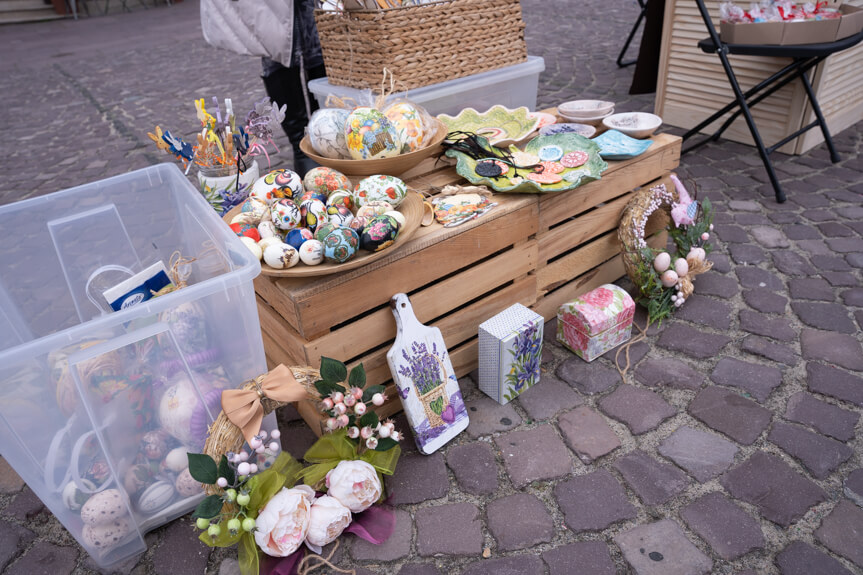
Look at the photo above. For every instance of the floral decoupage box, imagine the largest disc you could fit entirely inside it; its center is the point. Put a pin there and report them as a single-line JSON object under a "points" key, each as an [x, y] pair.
{"points": [[510, 350], [596, 322]]}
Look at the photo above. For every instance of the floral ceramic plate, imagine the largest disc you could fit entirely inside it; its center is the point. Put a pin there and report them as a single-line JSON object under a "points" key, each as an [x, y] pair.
{"points": [[580, 129], [614, 145], [569, 161], [500, 126]]}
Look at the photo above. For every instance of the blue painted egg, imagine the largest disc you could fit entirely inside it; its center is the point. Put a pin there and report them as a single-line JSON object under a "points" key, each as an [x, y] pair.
{"points": [[340, 245], [297, 236], [324, 230]]}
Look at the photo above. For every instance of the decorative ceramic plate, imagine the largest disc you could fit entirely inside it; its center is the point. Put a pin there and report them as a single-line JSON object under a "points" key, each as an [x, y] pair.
{"points": [[500, 126], [614, 145], [557, 152], [544, 119], [580, 129], [411, 207]]}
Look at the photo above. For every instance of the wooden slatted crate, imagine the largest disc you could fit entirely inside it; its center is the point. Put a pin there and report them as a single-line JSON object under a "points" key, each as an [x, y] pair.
{"points": [[540, 251]]}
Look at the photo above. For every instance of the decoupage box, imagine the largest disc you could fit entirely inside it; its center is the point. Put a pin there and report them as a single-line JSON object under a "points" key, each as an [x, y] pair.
{"points": [[596, 322], [510, 347]]}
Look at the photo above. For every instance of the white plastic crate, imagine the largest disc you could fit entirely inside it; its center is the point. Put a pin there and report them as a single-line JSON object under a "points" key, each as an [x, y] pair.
{"points": [[511, 86], [86, 396]]}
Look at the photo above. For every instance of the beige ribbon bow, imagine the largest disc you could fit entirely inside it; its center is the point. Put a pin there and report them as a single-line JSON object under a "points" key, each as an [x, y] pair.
{"points": [[243, 406]]}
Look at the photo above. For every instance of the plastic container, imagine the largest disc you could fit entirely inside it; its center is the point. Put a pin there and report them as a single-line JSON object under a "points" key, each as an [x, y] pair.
{"points": [[511, 86], [92, 401]]}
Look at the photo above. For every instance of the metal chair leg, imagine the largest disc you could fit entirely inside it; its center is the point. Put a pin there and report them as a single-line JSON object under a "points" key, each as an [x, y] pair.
{"points": [[834, 155], [641, 16]]}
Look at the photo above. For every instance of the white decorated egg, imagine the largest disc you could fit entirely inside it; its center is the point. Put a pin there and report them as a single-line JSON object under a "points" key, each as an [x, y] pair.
{"points": [[341, 198], [669, 278], [409, 125], [74, 498], [267, 242], [286, 215], [181, 411], [253, 247], [177, 459], [156, 497], [372, 209], [312, 252], [186, 485], [399, 217], [276, 185], [327, 132], [247, 218], [281, 256], [255, 207], [313, 213], [681, 267], [106, 535], [380, 188], [325, 180], [104, 507], [661, 262], [267, 229], [370, 135], [340, 216]]}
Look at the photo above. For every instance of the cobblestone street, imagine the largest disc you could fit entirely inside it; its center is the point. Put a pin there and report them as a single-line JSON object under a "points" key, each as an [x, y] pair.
{"points": [[734, 445]]}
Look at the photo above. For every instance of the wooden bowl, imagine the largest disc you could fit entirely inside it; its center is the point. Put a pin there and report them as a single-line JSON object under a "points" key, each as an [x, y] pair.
{"points": [[411, 207], [387, 166]]}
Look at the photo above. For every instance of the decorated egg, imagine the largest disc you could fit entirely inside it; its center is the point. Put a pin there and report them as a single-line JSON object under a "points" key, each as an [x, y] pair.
{"points": [[186, 485], [314, 213], [358, 224], [255, 207], [188, 324], [265, 460], [137, 477], [309, 195], [661, 262], [406, 118], [369, 135], [681, 267], [281, 256], [253, 247], [246, 230], [74, 498], [325, 180], [295, 238], [312, 252], [380, 188], [327, 132], [276, 185], [380, 233], [248, 218], [154, 444], [376, 208], [267, 229], [669, 278], [103, 507], [156, 497], [181, 412], [400, 217], [267, 242], [341, 198], [177, 460], [324, 230], [341, 244], [106, 535], [340, 216], [696, 255], [286, 214]]}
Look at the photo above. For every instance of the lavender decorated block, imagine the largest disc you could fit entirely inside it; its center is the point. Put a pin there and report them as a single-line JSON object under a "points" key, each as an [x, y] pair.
{"points": [[510, 346], [596, 322]]}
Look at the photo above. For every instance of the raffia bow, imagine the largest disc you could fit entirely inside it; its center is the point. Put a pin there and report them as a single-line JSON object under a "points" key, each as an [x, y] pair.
{"points": [[696, 267], [244, 408]]}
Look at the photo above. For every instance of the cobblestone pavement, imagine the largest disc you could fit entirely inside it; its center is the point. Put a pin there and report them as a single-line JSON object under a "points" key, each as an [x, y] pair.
{"points": [[732, 447]]}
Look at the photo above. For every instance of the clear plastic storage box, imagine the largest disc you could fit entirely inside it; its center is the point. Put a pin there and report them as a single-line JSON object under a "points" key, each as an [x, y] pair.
{"points": [[98, 408], [511, 86]]}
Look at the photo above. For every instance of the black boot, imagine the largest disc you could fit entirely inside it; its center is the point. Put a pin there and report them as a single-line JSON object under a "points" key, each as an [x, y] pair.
{"points": [[285, 89]]}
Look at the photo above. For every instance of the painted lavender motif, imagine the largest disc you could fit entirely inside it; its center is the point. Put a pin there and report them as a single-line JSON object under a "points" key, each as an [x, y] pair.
{"points": [[526, 352], [510, 350]]}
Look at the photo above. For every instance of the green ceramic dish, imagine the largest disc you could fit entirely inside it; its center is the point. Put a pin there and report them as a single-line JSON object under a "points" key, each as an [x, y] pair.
{"points": [[573, 177], [501, 126]]}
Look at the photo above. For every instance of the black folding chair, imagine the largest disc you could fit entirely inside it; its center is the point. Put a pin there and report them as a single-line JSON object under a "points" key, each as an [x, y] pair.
{"points": [[804, 58], [620, 61]]}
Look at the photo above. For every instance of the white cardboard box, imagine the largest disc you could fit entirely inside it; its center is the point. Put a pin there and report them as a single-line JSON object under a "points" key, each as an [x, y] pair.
{"points": [[510, 352]]}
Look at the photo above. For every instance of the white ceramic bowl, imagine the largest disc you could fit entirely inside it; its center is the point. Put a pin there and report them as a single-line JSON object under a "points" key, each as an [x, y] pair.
{"points": [[581, 109], [590, 120], [634, 124]]}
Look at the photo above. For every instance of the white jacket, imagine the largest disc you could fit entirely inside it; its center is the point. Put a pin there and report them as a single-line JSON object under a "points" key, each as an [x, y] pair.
{"points": [[252, 27]]}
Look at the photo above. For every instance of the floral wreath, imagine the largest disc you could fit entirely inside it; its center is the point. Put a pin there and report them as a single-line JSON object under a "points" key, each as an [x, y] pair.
{"points": [[665, 278], [270, 505]]}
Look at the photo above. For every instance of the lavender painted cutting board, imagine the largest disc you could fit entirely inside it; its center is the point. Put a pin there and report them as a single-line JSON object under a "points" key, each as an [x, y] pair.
{"points": [[426, 381]]}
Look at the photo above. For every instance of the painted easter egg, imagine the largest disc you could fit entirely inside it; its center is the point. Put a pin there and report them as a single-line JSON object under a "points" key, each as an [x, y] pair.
{"points": [[340, 216], [188, 322], [186, 485], [409, 125], [181, 412], [137, 477], [246, 230], [247, 218], [341, 198], [340, 245], [325, 180], [372, 209], [358, 224], [370, 135], [276, 185], [669, 278], [314, 213], [281, 256], [295, 238], [253, 246], [255, 207], [324, 230], [103, 507], [312, 252], [156, 497], [309, 195], [154, 444], [380, 233], [380, 188], [661, 262], [286, 214], [400, 217], [267, 229], [267, 242], [74, 498], [106, 535], [327, 133]]}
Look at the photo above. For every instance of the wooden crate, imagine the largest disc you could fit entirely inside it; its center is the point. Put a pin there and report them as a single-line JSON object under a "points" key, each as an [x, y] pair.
{"points": [[540, 251], [692, 85]]}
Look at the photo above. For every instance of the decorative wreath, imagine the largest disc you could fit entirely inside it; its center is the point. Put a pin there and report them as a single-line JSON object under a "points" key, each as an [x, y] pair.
{"points": [[665, 278]]}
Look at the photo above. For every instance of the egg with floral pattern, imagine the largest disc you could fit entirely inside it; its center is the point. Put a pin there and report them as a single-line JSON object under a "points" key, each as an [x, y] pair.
{"points": [[380, 188], [298, 236], [325, 180], [370, 135], [340, 245], [409, 125], [327, 133], [379, 233], [312, 252], [276, 185], [324, 230], [340, 216], [358, 224], [286, 214], [372, 209], [314, 213], [310, 195], [341, 198]]}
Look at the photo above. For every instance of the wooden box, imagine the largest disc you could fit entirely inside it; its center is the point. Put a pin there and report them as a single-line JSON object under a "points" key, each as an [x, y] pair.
{"points": [[539, 251]]}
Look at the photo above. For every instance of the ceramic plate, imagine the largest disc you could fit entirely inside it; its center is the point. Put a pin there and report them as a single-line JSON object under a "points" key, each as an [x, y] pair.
{"points": [[500, 126], [614, 145], [580, 129], [544, 119], [510, 182]]}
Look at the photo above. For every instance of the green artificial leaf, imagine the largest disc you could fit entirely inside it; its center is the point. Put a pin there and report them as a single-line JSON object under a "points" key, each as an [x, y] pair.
{"points": [[367, 394], [226, 471], [386, 443], [202, 468], [333, 371], [208, 508], [357, 377], [437, 405], [324, 388], [370, 419]]}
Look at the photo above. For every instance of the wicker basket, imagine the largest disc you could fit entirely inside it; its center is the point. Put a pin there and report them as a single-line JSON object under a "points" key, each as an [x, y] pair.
{"points": [[421, 45]]}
